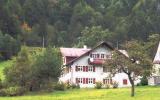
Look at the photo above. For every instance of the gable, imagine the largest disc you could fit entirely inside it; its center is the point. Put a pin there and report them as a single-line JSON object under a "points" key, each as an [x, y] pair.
{"points": [[102, 47]]}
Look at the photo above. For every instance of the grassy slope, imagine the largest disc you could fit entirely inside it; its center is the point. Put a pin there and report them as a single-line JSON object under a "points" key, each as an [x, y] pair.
{"points": [[2, 66], [142, 93]]}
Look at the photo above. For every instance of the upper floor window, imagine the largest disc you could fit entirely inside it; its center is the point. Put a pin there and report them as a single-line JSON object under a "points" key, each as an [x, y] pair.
{"points": [[79, 68], [97, 55], [85, 68], [90, 68], [108, 56], [105, 69], [102, 55]]}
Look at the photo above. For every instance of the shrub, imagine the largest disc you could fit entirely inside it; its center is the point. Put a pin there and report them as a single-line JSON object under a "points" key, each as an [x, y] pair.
{"points": [[115, 84], [60, 86], [107, 86], [144, 81], [1, 86], [98, 85], [12, 91], [75, 86]]}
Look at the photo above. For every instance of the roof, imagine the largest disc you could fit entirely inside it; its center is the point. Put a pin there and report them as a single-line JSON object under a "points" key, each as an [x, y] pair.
{"points": [[100, 44], [157, 56], [73, 52]]}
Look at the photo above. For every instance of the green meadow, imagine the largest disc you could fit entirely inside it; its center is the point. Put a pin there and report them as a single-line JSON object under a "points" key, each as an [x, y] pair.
{"points": [[142, 93]]}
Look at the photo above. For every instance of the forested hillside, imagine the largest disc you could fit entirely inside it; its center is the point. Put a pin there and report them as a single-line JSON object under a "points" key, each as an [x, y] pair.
{"points": [[76, 22]]}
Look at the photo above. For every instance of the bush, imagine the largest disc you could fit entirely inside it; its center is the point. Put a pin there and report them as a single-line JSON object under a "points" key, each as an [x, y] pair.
{"points": [[98, 85], [60, 86], [144, 81], [115, 84], [75, 86], [12, 91], [1, 86], [107, 86]]}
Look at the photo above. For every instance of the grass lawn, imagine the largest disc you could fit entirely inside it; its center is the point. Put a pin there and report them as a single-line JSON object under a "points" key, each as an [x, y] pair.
{"points": [[142, 93], [2, 66]]}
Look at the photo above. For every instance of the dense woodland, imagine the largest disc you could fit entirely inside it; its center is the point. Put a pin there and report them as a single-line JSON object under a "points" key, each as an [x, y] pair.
{"points": [[75, 22]]}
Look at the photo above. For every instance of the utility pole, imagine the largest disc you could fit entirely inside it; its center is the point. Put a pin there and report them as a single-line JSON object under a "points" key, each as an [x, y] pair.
{"points": [[43, 41]]}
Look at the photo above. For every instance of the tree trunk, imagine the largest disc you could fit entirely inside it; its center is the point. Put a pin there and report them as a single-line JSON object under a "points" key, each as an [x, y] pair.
{"points": [[132, 86]]}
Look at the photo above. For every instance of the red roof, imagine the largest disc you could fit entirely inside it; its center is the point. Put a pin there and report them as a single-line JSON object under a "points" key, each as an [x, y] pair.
{"points": [[73, 52]]}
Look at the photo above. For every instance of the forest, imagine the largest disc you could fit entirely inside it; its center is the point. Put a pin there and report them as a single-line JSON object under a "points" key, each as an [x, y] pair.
{"points": [[74, 23]]}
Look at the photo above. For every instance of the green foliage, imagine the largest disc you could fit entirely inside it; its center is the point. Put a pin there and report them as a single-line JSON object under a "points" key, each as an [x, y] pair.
{"points": [[8, 46], [98, 85], [3, 65], [60, 86], [12, 91], [60, 22], [135, 63], [107, 86], [115, 85], [75, 86], [144, 81], [91, 36], [47, 66], [19, 72]]}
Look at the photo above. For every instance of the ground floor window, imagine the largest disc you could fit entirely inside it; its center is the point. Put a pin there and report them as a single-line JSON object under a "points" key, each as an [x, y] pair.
{"points": [[85, 80], [125, 82], [107, 81]]}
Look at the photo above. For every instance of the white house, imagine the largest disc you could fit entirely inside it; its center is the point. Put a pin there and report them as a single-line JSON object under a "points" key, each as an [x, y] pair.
{"points": [[84, 66], [154, 79]]}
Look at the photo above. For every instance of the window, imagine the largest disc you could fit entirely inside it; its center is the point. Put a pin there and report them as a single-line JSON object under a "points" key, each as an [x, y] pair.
{"points": [[79, 80], [91, 80], [105, 69], [95, 55], [102, 55], [91, 55], [108, 56], [107, 81], [90, 68], [124, 81]]}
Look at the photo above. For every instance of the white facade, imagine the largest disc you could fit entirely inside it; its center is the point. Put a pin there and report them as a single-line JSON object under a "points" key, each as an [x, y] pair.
{"points": [[95, 73], [154, 79]]}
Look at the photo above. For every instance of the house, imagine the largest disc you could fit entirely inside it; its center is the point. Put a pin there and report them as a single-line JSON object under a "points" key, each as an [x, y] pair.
{"points": [[154, 79], [84, 66]]}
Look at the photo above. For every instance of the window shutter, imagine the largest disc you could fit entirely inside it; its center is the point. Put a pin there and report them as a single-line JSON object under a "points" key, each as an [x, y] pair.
{"points": [[94, 80], [83, 80], [76, 69], [86, 80], [84, 68], [93, 68], [77, 80]]}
